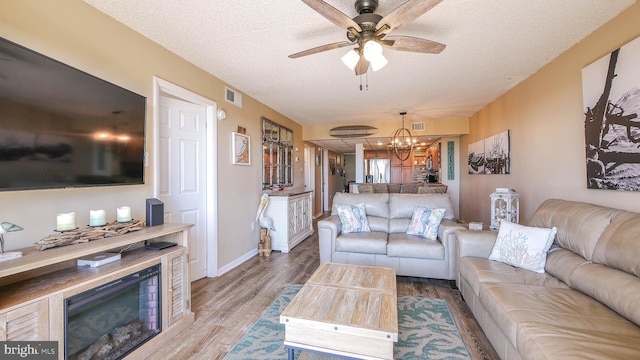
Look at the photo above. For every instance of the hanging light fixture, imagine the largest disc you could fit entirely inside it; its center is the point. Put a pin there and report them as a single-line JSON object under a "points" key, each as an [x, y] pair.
{"points": [[402, 142]]}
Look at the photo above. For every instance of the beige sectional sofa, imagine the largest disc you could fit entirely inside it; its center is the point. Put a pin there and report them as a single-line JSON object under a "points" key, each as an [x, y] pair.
{"points": [[387, 244], [587, 303]]}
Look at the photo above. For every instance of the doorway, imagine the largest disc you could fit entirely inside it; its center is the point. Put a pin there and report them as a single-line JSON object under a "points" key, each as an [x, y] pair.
{"points": [[185, 169]]}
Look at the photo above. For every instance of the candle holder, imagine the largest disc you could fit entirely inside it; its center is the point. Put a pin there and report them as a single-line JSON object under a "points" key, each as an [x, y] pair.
{"points": [[97, 218], [123, 214], [66, 222], [125, 222]]}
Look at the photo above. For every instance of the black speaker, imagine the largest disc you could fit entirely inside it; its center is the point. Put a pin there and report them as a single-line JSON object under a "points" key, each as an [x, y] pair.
{"points": [[155, 212]]}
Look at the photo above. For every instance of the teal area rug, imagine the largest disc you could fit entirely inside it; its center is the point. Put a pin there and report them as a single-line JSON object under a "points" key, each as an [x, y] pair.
{"points": [[426, 330]]}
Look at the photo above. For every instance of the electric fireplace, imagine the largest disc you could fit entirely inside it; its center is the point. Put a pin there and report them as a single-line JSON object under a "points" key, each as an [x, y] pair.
{"points": [[112, 320]]}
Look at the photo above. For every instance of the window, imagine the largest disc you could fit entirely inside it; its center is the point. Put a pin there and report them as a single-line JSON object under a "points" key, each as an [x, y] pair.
{"points": [[277, 145]]}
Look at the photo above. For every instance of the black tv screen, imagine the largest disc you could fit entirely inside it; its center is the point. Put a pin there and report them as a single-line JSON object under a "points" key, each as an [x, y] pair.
{"points": [[61, 127]]}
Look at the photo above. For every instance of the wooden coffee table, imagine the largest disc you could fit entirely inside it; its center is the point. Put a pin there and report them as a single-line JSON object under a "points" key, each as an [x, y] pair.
{"points": [[345, 310]]}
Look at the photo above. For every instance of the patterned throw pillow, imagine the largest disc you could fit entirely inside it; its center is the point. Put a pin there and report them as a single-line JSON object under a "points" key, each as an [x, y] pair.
{"points": [[523, 246], [425, 222], [353, 218]]}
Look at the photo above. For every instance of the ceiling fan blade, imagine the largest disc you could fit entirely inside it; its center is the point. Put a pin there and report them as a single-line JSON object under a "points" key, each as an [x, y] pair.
{"points": [[405, 14], [322, 48], [362, 66], [332, 14], [413, 44]]}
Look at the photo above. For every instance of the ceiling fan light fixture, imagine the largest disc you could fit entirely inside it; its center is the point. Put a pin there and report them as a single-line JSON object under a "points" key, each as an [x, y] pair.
{"points": [[372, 50], [351, 59], [378, 62]]}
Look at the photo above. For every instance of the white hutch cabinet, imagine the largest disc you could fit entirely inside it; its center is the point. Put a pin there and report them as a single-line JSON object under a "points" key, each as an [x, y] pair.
{"points": [[292, 219]]}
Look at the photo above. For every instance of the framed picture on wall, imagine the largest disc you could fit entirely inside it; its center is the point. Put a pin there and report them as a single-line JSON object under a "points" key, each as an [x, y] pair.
{"points": [[611, 96], [491, 155], [240, 149]]}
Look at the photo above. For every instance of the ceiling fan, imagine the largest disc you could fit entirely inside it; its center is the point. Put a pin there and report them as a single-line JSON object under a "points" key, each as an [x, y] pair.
{"points": [[370, 32]]}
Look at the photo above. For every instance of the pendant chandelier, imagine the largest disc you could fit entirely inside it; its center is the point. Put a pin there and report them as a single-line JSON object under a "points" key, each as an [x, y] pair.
{"points": [[402, 142]]}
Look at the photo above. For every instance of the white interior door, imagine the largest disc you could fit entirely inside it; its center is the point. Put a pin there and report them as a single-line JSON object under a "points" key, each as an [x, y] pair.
{"points": [[182, 173]]}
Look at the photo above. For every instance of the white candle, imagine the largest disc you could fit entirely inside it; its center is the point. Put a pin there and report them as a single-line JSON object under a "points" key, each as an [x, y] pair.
{"points": [[66, 221], [123, 214], [97, 217]]}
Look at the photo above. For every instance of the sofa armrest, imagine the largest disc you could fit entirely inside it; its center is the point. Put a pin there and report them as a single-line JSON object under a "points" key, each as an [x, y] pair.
{"points": [[447, 236], [446, 231], [328, 231], [475, 243]]}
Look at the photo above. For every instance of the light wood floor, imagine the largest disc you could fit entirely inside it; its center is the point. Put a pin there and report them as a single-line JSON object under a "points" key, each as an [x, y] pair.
{"points": [[227, 306]]}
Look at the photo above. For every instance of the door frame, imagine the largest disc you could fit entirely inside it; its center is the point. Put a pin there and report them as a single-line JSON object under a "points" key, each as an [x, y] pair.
{"points": [[211, 155], [325, 180]]}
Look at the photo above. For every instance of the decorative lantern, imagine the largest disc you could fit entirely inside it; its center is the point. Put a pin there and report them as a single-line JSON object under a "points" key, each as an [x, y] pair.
{"points": [[505, 205]]}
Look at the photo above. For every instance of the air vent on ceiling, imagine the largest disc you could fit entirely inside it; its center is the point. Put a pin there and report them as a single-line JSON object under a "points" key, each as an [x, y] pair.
{"points": [[417, 126], [352, 131], [233, 97]]}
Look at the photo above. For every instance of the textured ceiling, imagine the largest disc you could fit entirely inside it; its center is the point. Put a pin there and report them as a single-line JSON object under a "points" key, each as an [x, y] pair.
{"points": [[492, 45]]}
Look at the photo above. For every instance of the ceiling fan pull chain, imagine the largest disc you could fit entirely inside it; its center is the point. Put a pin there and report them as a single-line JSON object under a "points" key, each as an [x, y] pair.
{"points": [[360, 82]]}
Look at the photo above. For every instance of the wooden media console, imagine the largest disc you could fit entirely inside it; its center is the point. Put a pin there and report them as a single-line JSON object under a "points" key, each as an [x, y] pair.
{"points": [[34, 287]]}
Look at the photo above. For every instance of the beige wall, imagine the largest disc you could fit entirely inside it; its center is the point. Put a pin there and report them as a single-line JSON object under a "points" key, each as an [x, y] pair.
{"points": [[435, 127], [76, 34], [545, 116]]}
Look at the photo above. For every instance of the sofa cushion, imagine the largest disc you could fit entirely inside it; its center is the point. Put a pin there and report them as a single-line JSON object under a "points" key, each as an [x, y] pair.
{"points": [[401, 208], [619, 247], [616, 289], [376, 207], [402, 205], [425, 222], [543, 341], [478, 271], [561, 263], [412, 246], [353, 218], [373, 242], [512, 305], [579, 225], [523, 246]]}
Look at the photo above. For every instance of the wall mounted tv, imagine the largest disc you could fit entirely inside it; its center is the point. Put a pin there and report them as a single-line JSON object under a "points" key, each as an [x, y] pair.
{"points": [[61, 127]]}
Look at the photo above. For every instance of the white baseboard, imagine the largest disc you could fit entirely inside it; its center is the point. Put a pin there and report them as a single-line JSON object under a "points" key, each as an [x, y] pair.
{"points": [[237, 261]]}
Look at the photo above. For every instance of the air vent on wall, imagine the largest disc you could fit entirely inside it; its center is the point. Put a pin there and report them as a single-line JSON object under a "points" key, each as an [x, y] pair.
{"points": [[352, 131], [233, 97], [417, 126]]}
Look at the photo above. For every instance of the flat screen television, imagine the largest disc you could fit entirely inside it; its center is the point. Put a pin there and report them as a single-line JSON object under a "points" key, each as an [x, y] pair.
{"points": [[61, 127]]}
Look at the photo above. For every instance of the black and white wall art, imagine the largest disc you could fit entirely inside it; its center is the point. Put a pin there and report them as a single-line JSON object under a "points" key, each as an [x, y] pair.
{"points": [[491, 155], [611, 95]]}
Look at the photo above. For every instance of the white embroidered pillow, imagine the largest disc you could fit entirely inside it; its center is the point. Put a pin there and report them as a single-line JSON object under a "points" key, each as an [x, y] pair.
{"points": [[425, 222], [523, 246], [353, 218]]}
